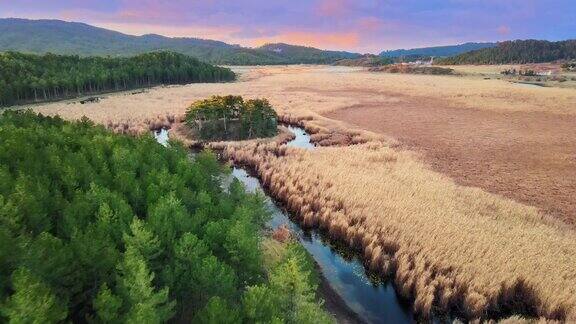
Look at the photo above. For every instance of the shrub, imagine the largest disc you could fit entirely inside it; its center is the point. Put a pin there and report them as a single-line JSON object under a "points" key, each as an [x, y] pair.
{"points": [[570, 66]]}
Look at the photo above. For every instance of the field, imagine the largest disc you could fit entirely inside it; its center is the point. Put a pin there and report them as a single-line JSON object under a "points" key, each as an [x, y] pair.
{"points": [[557, 78], [461, 188], [527, 156]]}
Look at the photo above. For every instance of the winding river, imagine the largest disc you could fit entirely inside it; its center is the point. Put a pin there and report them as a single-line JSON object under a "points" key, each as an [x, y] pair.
{"points": [[371, 301]]}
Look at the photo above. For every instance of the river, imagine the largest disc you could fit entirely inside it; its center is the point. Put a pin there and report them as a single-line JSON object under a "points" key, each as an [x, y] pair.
{"points": [[344, 273]]}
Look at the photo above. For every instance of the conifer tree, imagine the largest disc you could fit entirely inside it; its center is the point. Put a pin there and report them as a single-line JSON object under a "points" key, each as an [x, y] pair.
{"points": [[143, 303], [32, 301]]}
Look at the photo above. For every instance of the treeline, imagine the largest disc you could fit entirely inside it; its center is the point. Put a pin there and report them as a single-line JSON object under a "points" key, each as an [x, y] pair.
{"points": [[104, 228], [517, 52], [32, 78], [436, 51], [232, 118]]}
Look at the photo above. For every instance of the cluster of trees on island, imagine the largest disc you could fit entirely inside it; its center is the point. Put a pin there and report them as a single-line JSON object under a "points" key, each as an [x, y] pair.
{"points": [[232, 118], [32, 78], [106, 228]]}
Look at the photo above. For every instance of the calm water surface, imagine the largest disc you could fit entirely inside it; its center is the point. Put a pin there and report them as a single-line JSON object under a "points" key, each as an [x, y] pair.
{"points": [[373, 302]]}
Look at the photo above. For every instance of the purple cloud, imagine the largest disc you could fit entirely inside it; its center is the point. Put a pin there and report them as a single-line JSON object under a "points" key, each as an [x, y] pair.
{"points": [[358, 25]]}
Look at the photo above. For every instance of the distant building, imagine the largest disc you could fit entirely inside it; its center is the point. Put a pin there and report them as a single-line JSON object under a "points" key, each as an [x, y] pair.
{"points": [[545, 73]]}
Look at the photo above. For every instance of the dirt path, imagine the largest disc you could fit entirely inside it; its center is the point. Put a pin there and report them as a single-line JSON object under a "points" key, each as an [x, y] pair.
{"points": [[527, 156]]}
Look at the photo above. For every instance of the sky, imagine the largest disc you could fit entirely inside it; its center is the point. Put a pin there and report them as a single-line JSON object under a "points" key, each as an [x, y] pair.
{"points": [[365, 26]]}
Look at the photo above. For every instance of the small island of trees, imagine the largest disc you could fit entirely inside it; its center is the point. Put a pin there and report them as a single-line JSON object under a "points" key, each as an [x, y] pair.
{"points": [[232, 118]]}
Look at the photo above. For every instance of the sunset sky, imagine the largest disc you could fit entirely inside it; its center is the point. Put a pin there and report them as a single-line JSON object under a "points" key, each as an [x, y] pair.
{"points": [[354, 25]]}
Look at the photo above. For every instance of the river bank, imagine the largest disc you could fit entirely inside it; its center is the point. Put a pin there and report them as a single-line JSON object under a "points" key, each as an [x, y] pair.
{"points": [[349, 292]]}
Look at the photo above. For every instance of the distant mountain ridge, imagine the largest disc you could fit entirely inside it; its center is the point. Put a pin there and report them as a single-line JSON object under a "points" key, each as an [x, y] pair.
{"points": [[301, 53], [73, 38], [438, 51], [517, 52], [60, 37]]}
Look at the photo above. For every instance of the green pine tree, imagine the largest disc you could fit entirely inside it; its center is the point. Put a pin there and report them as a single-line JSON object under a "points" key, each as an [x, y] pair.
{"points": [[143, 304], [32, 301]]}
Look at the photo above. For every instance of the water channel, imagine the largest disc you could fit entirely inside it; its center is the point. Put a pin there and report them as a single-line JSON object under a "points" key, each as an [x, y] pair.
{"points": [[372, 301]]}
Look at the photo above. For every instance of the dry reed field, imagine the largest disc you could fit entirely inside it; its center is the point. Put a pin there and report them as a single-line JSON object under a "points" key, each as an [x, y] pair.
{"points": [[558, 76], [527, 156], [449, 246]]}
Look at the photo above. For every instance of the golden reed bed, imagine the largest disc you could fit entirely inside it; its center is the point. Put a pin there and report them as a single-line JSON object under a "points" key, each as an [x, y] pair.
{"points": [[449, 247]]}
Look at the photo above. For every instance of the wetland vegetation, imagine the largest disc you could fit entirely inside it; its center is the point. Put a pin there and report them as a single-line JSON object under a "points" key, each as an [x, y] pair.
{"points": [[458, 268]]}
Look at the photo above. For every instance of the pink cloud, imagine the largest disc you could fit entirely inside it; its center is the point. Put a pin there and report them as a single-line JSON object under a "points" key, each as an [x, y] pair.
{"points": [[332, 8], [503, 30], [370, 23]]}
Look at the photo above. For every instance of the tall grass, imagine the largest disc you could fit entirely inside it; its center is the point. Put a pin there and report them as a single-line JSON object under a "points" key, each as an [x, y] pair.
{"points": [[450, 248]]}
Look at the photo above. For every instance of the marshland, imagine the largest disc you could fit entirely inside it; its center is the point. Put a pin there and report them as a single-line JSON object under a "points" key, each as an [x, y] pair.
{"points": [[457, 189], [287, 162]]}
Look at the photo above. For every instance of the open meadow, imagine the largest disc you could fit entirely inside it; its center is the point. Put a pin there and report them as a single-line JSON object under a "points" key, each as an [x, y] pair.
{"points": [[460, 188]]}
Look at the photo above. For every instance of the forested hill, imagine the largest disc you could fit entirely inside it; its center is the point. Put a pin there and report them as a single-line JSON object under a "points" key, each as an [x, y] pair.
{"points": [[70, 38], [31, 78], [305, 54], [519, 51], [437, 50]]}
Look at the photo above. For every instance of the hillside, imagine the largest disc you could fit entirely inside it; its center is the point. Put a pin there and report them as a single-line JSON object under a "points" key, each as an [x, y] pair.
{"points": [[518, 52], [437, 50], [60, 37], [304, 54]]}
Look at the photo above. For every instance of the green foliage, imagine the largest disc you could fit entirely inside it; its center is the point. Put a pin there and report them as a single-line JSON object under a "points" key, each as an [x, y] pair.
{"points": [[230, 117], [33, 78], [32, 301], [437, 51], [517, 52], [218, 311], [107, 305], [78, 245], [289, 296], [296, 54], [142, 302], [142, 241]]}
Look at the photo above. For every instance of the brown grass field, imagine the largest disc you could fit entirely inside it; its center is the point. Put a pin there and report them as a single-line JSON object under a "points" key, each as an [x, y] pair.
{"points": [[527, 156], [461, 188]]}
